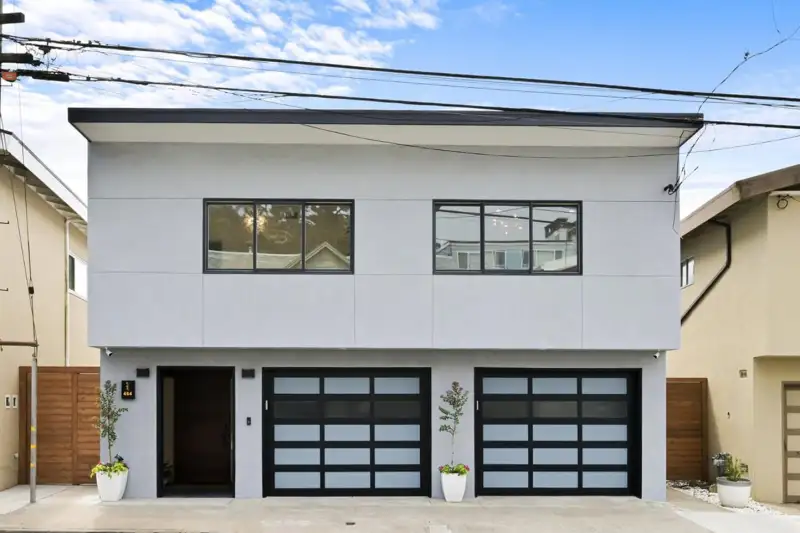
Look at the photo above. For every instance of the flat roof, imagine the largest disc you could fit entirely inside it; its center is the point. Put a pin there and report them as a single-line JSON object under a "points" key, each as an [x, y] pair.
{"points": [[401, 117]]}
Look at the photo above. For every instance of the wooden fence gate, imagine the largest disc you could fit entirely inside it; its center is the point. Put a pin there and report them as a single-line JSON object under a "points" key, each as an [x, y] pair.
{"points": [[68, 445], [687, 444]]}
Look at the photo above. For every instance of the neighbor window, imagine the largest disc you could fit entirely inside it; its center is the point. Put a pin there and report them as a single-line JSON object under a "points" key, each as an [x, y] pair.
{"points": [[279, 236], [78, 277], [687, 272], [507, 237]]}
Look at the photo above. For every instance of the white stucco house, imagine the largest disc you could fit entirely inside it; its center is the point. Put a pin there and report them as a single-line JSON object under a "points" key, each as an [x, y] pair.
{"points": [[290, 301]]}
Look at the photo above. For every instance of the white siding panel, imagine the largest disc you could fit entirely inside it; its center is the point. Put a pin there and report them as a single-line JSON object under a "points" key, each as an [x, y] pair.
{"points": [[394, 311], [393, 237]]}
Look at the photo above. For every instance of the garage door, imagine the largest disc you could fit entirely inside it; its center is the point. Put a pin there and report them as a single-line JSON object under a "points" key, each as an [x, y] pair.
{"points": [[543, 432], [347, 432]]}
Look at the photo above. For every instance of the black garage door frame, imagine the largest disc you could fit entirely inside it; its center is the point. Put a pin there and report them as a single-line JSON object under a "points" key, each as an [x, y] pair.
{"points": [[424, 443], [634, 433]]}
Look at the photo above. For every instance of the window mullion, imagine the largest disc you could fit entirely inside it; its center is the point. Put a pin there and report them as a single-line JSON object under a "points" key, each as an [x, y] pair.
{"points": [[302, 237], [530, 238], [255, 235], [482, 245]]}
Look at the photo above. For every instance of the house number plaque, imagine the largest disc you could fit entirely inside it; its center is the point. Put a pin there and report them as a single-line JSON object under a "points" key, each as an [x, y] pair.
{"points": [[128, 390]]}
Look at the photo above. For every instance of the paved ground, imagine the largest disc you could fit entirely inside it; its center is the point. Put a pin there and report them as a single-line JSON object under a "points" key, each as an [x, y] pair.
{"points": [[720, 520], [78, 509]]}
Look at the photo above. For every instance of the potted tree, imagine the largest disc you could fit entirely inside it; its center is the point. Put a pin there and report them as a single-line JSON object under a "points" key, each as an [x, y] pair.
{"points": [[112, 477], [454, 476], [733, 488]]}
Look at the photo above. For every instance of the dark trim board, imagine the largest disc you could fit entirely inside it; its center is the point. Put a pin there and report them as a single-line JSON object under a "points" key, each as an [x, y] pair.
{"points": [[317, 417], [632, 419]]}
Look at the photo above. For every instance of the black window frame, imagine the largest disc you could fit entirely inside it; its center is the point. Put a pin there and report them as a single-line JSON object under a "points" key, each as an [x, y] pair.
{"points": [[303, 203], [531, 204]]}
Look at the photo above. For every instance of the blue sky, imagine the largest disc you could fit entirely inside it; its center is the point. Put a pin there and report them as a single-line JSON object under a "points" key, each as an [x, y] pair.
{"points": [[677, 44]]}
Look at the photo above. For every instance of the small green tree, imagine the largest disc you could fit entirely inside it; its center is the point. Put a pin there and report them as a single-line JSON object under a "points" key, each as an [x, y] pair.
{"points": [[451, 412], [106, 423]]}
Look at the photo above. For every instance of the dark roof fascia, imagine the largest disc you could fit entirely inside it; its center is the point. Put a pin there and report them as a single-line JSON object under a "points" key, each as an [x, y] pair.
{"points": [[380, 117]]}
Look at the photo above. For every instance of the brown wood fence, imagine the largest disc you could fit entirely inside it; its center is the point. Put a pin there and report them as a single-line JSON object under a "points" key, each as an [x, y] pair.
{"points": [[68, 445], [687, 437]]}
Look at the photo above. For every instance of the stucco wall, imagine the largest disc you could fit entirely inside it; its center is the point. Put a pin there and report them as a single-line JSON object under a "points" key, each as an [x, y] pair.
{"points": [[767, 459], [782, 289], [728, 328], [147, 246], [137, 429]]}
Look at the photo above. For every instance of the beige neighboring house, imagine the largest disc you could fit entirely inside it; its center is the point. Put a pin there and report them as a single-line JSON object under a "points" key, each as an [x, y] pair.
{"points": [[56, 222], [740, 273]]}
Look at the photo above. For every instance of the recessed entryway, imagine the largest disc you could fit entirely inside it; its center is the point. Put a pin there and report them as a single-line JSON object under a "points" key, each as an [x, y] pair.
{"points": [[196, 431], [347, 432]]}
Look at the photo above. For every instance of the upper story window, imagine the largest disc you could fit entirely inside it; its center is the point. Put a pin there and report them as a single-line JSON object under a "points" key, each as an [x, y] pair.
{"points": [[507, 237], [78, 277], [281, 236], [687, 272]]}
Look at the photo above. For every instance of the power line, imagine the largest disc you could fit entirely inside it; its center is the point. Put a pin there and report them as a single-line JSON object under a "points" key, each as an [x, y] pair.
{"points": [[688, 121], [612, 97], [46, 43]]}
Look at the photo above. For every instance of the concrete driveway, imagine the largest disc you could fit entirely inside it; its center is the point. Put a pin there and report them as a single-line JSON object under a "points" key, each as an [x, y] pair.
{"points": [[78, 509]]}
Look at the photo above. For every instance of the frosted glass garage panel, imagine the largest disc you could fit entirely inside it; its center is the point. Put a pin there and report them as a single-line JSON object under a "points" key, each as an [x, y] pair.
{"points": [[505, 456], [604, 386], [553, 432], [396, 385], [347, 456], [505, 385], [599, 432], [396, 432], [505, 432], [347, 480], [605, 480], [340, 432], [297, 480], [506, 480], [555, 385], [297, 456], [346, 385], [397, 480], [555, 456], [296, 386], [296, 432], [397, 456], [605, 456], [555, 480]]}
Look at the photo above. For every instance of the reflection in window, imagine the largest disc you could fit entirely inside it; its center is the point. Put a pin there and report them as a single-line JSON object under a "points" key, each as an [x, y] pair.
{"points": [[525, 237], [327, 237], [555, 238], [458, 237], [506, 231], [279, 240], [230, 236], [279, 236]]}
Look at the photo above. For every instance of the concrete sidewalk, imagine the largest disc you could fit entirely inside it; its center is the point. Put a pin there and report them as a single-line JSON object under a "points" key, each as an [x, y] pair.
{"points": [[78, 509]]}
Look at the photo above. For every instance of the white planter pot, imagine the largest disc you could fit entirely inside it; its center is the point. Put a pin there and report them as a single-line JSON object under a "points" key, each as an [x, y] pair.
{"points": [[111, 488], [733, 493], [454, 487]]}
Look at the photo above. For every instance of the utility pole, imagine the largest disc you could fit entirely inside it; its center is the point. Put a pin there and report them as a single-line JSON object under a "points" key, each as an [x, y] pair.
{"points": [[27, 59]]}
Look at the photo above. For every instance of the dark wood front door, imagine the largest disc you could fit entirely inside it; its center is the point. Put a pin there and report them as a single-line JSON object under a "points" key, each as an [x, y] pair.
{"points": [[203, 426]]}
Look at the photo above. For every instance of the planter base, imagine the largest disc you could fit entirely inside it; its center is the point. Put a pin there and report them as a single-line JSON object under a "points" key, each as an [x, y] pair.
{"points": [[734, 494], [453, 487], [111, 488]]}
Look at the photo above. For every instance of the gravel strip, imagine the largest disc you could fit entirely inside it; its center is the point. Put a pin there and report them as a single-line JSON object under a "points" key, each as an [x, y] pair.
{"points": [[703, 494]]}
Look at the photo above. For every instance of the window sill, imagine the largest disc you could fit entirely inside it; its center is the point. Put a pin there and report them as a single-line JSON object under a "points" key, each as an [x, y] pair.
{"points": [[281, 272], [502, 273]]}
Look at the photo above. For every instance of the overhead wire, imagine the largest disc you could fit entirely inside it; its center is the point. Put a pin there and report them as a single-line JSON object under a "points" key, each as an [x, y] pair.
{"points": [[47, 42]]}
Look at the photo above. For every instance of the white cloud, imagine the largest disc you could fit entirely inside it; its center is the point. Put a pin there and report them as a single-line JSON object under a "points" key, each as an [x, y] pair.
{"points": [[268, 28], [359, 6], [398, 14]]}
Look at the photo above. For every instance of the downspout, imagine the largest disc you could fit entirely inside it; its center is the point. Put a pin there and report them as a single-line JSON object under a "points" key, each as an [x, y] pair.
{"points": [[718, 276], [67, 224]]}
